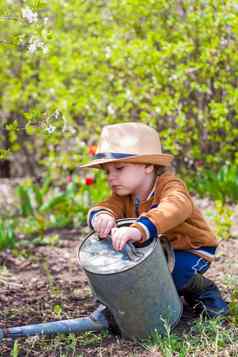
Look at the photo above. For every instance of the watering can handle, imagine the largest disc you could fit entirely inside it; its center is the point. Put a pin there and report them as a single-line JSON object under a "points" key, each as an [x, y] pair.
{"points": [[132, 253]]}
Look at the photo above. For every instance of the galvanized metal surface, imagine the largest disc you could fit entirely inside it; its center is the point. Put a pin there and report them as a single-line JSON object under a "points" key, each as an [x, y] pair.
{"points": [[140, 294], [98, 256]]}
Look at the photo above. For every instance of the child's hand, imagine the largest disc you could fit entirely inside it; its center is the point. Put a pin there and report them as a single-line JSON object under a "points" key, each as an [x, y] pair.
{"points": [[103, 224], [120, 236]]}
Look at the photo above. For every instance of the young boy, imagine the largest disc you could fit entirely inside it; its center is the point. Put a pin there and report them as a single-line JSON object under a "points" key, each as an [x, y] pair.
{"points": [[144, 187]]}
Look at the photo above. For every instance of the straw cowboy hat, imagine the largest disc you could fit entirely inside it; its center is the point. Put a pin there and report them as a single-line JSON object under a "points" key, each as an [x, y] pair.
{"points": [[129, 142]]}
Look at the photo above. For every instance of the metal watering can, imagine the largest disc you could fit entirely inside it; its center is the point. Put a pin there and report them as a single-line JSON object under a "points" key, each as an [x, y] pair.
{"points": [[135, 285]]}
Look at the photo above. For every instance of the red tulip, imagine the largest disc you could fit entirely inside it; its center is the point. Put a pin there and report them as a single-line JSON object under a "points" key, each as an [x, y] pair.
{"points": [[69, 179], [89, 181], [92, 150]]}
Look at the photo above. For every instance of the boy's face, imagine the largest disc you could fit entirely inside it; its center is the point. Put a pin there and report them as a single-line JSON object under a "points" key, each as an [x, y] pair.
{"points": [[126, 178]]}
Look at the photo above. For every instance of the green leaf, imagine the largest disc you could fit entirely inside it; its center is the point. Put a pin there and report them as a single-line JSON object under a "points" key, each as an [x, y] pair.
{"points": [[25, 201], [53, 202]]}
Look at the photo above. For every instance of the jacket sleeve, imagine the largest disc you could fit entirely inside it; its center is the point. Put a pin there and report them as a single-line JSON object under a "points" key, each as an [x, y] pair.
{"points": [[113, 205], [174, 207]]}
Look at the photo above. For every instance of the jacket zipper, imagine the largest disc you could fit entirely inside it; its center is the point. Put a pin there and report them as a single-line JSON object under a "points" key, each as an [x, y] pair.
{"points": [[137, 206]]}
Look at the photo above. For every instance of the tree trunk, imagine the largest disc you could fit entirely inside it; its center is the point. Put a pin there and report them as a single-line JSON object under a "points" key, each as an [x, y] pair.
{"points": [[5, 169], [5, 165]]}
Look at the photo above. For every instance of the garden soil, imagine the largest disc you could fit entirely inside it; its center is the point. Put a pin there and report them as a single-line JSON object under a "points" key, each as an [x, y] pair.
{"points": [[45, 283]]}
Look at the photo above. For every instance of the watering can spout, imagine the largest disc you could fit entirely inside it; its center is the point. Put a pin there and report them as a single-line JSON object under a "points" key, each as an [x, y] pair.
{"points": [[95, 322]]}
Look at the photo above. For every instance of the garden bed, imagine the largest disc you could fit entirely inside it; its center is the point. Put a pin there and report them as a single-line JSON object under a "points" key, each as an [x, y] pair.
{"points": [[46, 283]]}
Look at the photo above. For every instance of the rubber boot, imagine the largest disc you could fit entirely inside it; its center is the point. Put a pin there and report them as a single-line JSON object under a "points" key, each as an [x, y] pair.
{"points": [[204, 297]]}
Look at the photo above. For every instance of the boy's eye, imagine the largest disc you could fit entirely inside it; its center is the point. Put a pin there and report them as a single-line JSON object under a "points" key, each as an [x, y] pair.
{"points": [[119, 168], [116, 168]]}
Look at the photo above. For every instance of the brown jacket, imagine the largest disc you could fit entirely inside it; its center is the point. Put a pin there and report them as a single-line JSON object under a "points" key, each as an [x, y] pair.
{"points": [[170, 208]]}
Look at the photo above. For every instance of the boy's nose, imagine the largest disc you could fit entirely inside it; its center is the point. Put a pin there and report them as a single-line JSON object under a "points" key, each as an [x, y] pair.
{"points": [[111, 177]]}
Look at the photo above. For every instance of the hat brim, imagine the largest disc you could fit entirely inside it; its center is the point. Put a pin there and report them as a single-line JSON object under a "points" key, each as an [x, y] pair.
{"points": [[162, 159]]}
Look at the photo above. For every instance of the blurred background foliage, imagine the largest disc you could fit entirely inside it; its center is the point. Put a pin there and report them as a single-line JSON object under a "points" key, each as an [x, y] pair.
{"points": [[69, 67]]}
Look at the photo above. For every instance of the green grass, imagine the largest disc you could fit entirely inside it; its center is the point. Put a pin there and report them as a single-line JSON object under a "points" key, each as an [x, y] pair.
{"points": [[206, 337]]}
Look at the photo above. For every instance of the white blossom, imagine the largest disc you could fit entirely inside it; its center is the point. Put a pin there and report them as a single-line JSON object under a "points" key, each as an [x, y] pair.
{"points": [[50, 129], [65, 125], [111, 110], [35, 44], [82, 144], [45, 49], [106, 15], [174, 77], [108, 52], [32, 47], [224, 42], [128, 94], [29, 15], [57, 113], [72, 130], [51, 91]]}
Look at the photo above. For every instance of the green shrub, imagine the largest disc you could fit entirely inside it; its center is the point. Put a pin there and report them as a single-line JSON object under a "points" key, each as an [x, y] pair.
{"points": [[223, 220], [79, 65], [7, 234], [221, 185]]}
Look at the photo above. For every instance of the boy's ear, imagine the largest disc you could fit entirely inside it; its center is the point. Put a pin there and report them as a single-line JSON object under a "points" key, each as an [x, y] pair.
{"points": [[149, 169]]}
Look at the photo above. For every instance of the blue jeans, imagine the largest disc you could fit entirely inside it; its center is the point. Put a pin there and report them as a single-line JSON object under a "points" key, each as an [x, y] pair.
{"points": [[186, 266]]}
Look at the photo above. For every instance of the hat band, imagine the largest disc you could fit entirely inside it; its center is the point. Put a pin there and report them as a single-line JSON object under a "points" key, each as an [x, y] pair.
{"points": [[112, 155]]}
